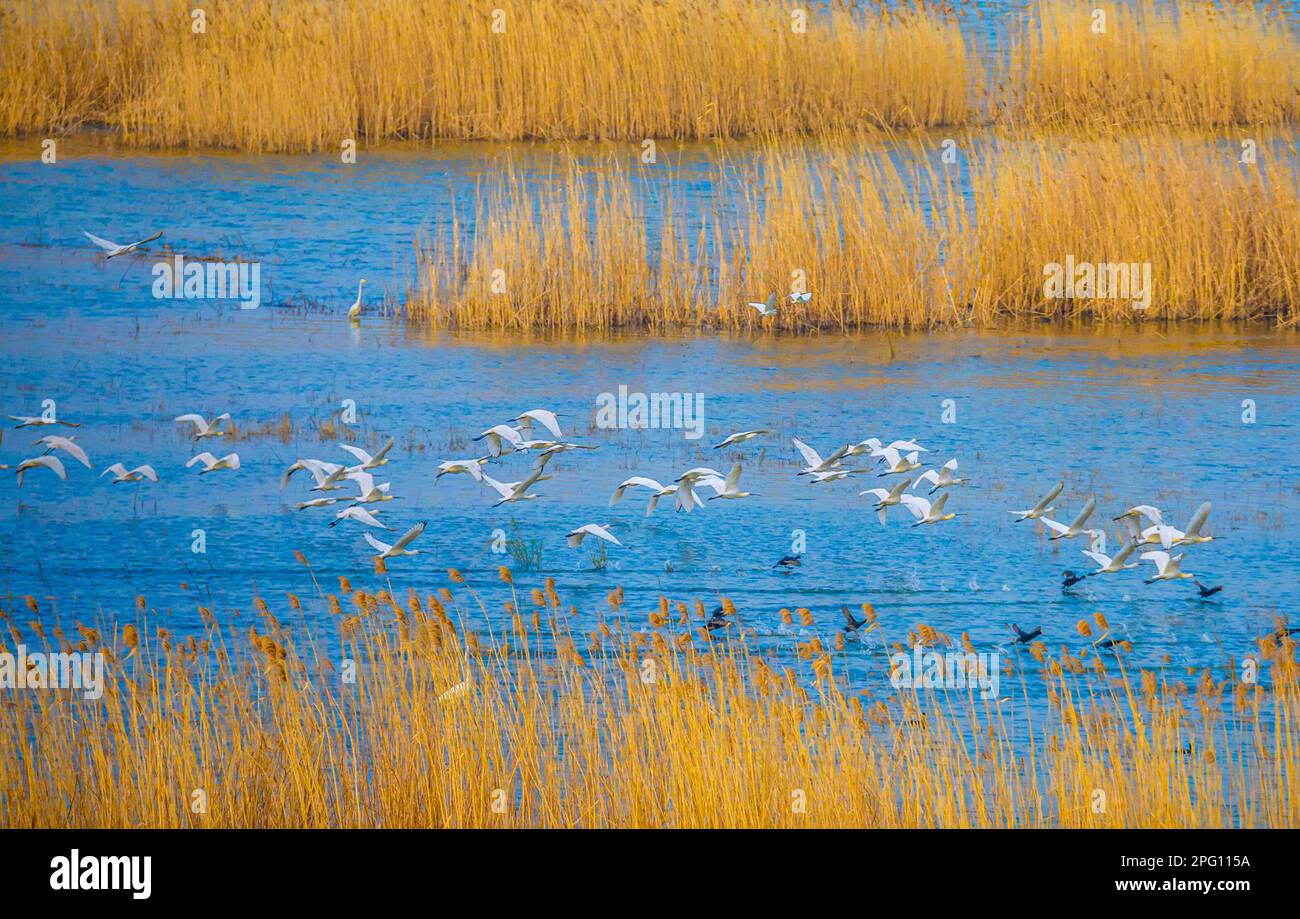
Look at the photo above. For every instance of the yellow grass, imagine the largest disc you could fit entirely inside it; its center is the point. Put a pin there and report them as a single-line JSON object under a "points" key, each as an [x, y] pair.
{"points": [[1177, 63], [303, 75], [654, 724], [880, 241]]}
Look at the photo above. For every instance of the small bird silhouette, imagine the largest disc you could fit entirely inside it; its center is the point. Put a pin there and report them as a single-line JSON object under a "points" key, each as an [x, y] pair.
{"points": [[789, 562], [717, 620], [1207, 591], [1023, 637]]}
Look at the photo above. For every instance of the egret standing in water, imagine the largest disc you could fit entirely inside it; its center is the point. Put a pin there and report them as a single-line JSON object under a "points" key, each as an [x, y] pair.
{"points": [[354, 311]]}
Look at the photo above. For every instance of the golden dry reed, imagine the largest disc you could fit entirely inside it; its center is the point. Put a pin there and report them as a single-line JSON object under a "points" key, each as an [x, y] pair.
{"points": [[297, 75], [881, 239], [302, 75], [415, 721], [1107, 65]]}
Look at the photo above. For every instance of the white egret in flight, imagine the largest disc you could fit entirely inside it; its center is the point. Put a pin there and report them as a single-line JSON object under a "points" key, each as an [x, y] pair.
{"points": [[886, 499], [547, 419], [895, 463], [741, 437], [27, 421], [1114, 565], [511, 492], [945, 477], [640, 481], [49, 461], [471, 467], [1167, 567], [399, 547], [1077, 527], [318, 468], [730, 487], [813, 459], [53, 442], [360, 515], [1193, 534], [112, 249], [924, 511], [366, 460], [1040, 510], [121, 474], [767, 307], [575, 537], [370, 492], [212, 464], [502, 439], [203, 427]]}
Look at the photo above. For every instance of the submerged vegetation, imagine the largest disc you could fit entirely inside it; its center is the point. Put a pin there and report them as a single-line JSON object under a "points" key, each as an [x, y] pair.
{"points": [[411, 718], [892, 238], [299, 75]]}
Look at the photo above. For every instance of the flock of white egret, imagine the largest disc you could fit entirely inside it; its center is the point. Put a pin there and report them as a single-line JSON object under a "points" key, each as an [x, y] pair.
{"points": [[354, 484]]}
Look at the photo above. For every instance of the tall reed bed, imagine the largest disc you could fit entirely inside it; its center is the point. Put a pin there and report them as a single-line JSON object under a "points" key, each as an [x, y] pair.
{"points": [[412, 719], [301, 75], [892, 238], [1110, 65], [296, 75]]}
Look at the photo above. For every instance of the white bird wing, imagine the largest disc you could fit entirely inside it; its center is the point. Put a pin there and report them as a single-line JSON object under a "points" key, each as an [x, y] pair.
{"points": [[878, 492], [908, 445], [1161, 559], [634, 480], [600, 531], [574, 540], [1101, 560], [501, 488], [547, 418], [810, 456], [1198, 520], [381, 547], [1124, 553], [919, 507], [732, 482], [117, 469], [901, 487], [147, 471], [360, 454], [891, 457], [409, 536], [475, 470], [231, 460], [365, 481], [837, 455], [939, 502], [206, 458], [363, 515], [101, 242], [1049, 498], [75, 452], [951, 465], [1084, 514], [51, 462], [200, 423], [383, 451], [1054, 525], [928, 476], [717, 483]]}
